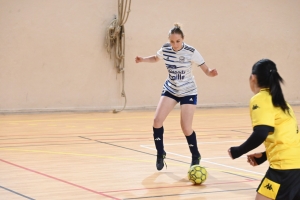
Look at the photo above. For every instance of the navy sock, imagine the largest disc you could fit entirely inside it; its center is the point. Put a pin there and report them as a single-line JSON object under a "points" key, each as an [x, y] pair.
{"points": [[192, 142], [158, 139]]}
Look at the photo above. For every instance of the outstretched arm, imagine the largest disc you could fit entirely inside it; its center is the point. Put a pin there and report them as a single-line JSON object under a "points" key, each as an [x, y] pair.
{"points": [[208, 71], [150, 59]]}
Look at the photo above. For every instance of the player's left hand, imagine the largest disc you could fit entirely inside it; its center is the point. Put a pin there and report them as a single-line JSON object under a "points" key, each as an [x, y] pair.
{"points": [[213, 72]]}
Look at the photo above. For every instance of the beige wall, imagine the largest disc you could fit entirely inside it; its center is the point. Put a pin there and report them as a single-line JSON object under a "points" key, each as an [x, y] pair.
{"points": [[52, 53]]}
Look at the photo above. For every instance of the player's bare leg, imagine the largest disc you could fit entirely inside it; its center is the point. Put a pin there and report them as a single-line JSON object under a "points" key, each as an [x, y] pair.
{"points": [[164, 107], [186, 118], [261, 197]]}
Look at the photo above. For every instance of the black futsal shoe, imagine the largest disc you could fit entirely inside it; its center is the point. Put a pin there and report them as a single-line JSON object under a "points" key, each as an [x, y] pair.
{"points": [[195, 160], [160, 161]]}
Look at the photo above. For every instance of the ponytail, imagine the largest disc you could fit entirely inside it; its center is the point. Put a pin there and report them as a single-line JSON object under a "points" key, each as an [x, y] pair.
{"points": [[268, 77], [276, 92]]}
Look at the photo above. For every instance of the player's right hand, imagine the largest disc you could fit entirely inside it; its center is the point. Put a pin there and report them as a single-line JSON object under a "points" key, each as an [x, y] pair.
{"points": [[251, 158], [138, 59]]}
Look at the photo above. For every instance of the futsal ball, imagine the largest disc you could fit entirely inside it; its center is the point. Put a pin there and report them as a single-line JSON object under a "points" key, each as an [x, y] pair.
{"points": [[197, 174]]}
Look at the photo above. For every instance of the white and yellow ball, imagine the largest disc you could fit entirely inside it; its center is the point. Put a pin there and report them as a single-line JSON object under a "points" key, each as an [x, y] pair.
{"points": [[197, 174]]}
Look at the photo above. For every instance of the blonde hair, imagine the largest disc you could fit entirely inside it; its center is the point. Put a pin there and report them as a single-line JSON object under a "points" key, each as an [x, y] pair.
{"points": [[177, 25], [176, 30]]}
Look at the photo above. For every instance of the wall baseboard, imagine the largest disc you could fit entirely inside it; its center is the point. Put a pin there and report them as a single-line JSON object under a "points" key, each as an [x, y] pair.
{"points": [[110, 109]]}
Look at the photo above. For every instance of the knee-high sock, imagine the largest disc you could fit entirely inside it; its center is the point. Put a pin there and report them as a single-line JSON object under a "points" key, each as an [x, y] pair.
{"points": [[192, 142], [158, 139]]}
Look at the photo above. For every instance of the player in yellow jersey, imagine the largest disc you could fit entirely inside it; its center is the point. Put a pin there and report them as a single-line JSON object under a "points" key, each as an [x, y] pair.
{"points": [[274, 124]]}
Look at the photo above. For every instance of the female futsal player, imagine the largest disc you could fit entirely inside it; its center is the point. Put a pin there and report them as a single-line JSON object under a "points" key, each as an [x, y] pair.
{"points": [[274, 123], [180, 87]]}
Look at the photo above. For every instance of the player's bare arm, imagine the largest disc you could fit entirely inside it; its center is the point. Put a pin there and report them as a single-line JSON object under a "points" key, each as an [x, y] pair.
{"points": [[150, 59], [208, 71]]}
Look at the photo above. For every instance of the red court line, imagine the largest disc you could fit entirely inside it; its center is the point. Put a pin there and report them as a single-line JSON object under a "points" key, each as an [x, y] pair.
{"points": [[155, 188], [57, 179]]}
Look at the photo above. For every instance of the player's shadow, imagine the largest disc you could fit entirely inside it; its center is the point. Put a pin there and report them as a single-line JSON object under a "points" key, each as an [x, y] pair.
{"points": [[167, 185], [157, 187]]}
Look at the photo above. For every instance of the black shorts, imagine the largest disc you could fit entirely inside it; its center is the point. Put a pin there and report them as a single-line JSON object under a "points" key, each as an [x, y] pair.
{"points": [[191, 99], [281, 184]]}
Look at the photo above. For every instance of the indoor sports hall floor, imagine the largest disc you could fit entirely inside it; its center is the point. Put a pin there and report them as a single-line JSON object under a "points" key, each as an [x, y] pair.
{"points": [[87, 156]]}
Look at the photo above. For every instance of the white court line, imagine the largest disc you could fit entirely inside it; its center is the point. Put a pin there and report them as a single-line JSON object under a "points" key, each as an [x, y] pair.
{"points": [[204, 160], [199, 143]]}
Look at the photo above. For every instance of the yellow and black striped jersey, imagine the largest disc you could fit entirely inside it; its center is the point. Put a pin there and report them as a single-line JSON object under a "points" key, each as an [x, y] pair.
{"points": [[282, 146]]}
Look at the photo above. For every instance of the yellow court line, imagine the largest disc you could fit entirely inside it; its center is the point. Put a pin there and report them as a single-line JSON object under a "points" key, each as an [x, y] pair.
{"points": [[236, 173], [73, 154], [121, 158], [119, 118]]}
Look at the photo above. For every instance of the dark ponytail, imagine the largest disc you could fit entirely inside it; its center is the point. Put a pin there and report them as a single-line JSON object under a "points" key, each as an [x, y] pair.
{"points": [[268, 77]]}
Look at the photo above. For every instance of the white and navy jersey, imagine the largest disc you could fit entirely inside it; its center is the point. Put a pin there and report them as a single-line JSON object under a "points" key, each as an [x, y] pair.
{"points": [[181, 81]]}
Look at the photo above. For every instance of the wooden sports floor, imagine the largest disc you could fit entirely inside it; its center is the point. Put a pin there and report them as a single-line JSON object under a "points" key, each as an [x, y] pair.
{"points": [[87, 156]]}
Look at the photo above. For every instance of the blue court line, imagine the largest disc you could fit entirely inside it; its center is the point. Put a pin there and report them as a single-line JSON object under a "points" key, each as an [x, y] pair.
{"points": [[16, 193]]}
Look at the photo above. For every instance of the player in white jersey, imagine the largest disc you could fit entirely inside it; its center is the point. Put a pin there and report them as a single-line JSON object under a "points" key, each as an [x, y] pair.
{"points": [[180, 87], [181, 81]]}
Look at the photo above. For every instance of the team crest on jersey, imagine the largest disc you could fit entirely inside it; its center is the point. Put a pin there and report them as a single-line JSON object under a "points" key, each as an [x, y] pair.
{"points": [[181, 59]]}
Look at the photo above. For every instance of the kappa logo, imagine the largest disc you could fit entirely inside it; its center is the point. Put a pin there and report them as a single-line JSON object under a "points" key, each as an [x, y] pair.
{"points": [[191, 99], [269, 186], [157, 139], [254, 107]]}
